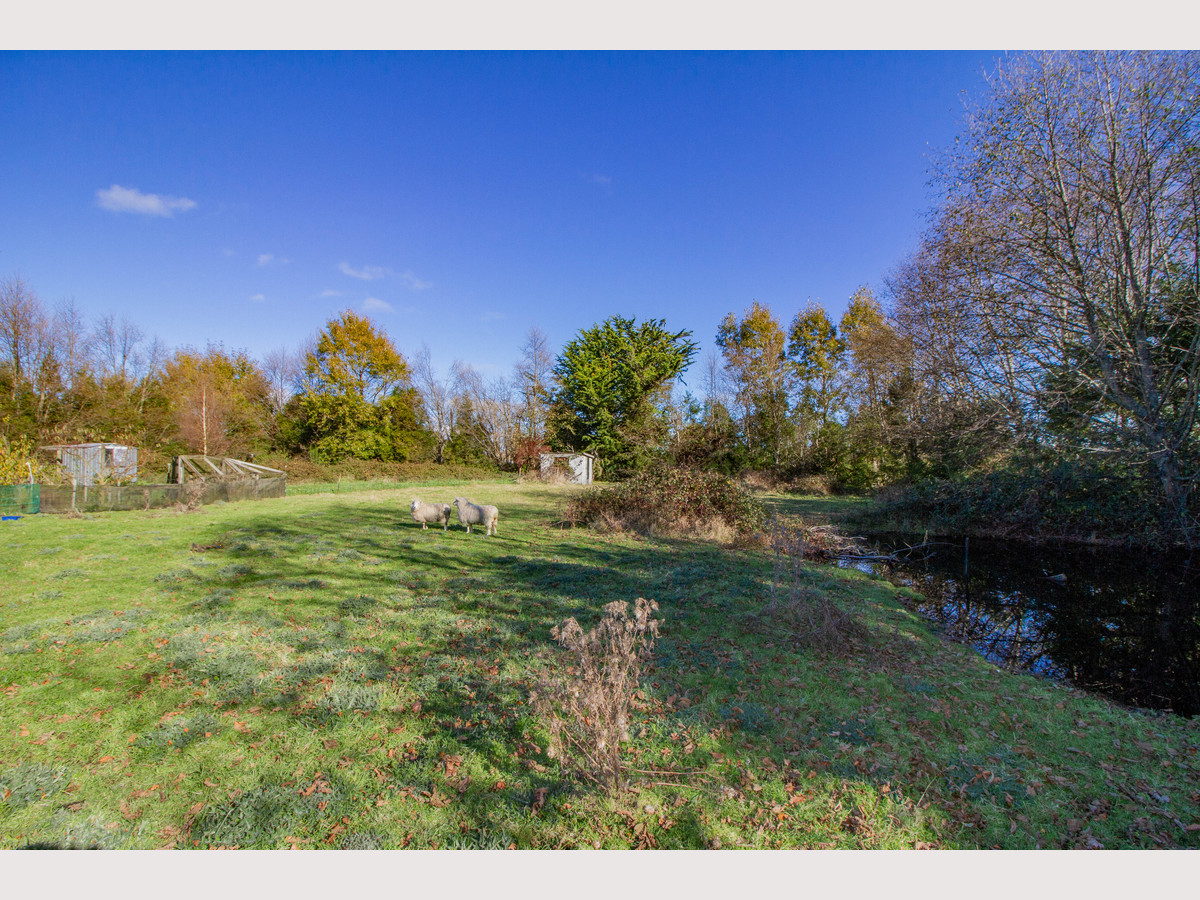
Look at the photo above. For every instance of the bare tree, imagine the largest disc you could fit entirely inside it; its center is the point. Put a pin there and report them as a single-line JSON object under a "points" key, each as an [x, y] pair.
{"points": [[494, 420], [115, 344], [715, 384], [1070, 239], [534, 375], [281, 368], [438, 396], [22, 329], [70, 340]]}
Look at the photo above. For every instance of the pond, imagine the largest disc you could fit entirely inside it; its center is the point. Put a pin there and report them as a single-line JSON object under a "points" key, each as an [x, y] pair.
{"points": [[1126, 625]]}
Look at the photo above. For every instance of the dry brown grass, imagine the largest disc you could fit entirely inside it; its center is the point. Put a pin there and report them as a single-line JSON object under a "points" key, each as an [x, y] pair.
{"points": [[816, 485], [653, 524]]}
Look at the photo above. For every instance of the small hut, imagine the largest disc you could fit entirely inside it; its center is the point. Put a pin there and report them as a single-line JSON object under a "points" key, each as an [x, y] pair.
{"points": [[579, 468], [91, 463]]}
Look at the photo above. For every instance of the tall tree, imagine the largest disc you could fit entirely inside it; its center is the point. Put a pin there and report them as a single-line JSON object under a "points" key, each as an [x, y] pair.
{"points": [[611, 376], [439, 399], [877, 360], [114, 345], [816, 354], [357, 399], [753, 347], [220, 400]]}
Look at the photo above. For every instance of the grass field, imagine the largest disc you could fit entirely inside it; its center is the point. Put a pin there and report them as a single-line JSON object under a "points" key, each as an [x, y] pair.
{"points": [[319, 672]]}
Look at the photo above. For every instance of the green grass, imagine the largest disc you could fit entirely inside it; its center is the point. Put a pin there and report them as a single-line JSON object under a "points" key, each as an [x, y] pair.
{"points": [[319, 672], [350, 486]]}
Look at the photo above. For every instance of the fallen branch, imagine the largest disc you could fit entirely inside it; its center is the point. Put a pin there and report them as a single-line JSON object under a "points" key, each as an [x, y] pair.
{"points": [[854, 554]]}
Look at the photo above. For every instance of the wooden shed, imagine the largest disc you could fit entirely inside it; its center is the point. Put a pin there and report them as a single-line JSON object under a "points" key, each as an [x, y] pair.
{"points": [[578, 467]]}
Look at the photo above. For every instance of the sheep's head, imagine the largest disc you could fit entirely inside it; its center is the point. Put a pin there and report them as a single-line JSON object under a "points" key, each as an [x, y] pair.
{"points": [[458, 500], [415, 504]]}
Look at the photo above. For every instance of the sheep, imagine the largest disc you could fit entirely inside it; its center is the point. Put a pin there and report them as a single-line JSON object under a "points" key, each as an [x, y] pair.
{"points": [[469, 514], [431, 512]]}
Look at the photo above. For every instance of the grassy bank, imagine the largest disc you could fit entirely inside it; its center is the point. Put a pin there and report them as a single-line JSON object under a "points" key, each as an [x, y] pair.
{"points": [[319, 672]]}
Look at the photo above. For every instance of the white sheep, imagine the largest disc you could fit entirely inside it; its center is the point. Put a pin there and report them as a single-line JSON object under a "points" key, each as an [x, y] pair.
{"points": [[431, 512], [469, 514]]}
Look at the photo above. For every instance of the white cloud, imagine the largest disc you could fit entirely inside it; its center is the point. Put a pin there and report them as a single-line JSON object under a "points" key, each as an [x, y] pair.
{"points": [[123, 199], [415, 283], [605, 180], [366, 273], [330, 293], [374, 304], [258, 298], [265, 259], [491, 316], [372, 273]]}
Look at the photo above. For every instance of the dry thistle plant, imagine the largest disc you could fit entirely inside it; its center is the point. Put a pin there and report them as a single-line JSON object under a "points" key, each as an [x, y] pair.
{"points": [[587, 709]]}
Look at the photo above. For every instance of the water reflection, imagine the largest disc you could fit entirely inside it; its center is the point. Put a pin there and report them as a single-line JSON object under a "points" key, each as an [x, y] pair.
{"points": [[1121, 624]]}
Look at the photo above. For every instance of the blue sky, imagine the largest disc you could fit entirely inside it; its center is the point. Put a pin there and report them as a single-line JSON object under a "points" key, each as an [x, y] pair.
{"points": [[459, 198]]}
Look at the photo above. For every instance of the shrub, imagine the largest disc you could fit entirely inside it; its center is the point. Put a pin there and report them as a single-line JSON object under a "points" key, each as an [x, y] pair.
{"points": [[587, 708], [19, 464], [670, 501]]}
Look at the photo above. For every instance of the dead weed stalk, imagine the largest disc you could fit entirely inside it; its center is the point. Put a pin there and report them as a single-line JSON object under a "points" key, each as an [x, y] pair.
{"points": [[587, 708]]}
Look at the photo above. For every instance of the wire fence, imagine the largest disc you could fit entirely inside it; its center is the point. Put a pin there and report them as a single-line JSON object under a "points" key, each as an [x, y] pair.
{"points": [[110, 497], [347, 486], [19, 499], [29, 499]]}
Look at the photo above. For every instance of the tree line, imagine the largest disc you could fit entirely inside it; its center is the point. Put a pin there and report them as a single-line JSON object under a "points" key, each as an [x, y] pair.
{"points": [[1050, 315]]}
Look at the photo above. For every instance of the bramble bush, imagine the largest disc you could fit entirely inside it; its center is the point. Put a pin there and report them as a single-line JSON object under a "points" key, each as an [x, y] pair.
{"points": [[670, 501], [1065, 499]]}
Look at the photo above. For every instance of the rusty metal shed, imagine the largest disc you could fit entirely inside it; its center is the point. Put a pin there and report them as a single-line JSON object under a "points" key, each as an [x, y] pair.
{"points": [[90, 463], [579, 466]]}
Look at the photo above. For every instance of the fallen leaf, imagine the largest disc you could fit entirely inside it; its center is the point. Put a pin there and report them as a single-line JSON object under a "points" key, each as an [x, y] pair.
{"points": [[130, 813]]}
